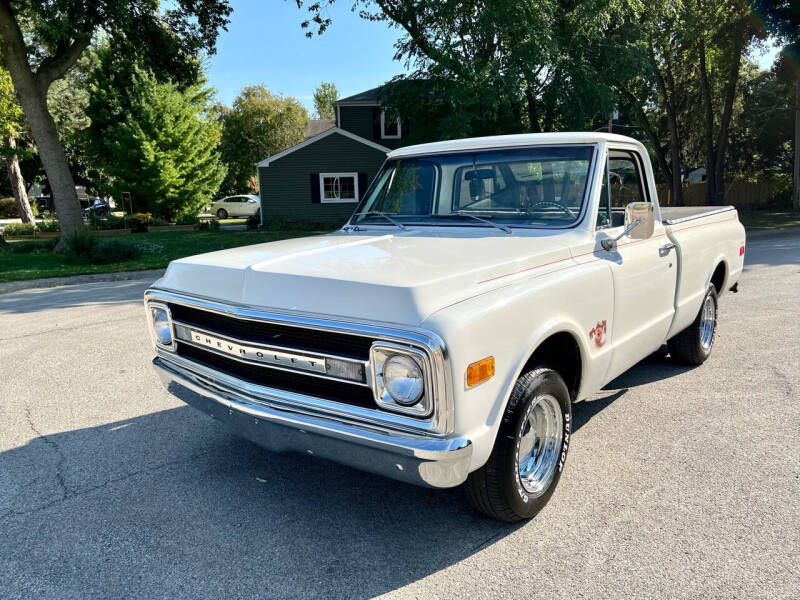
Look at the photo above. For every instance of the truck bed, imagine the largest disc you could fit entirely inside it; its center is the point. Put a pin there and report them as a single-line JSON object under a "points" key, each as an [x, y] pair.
{"points": [[670, 215]]}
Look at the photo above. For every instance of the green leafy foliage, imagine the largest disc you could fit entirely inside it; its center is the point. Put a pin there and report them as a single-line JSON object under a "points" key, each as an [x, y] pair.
{"points": [[325, 95], [13, 229], [258, 125], [11, 117], [8, 208], [155, 140], [48, 225]]}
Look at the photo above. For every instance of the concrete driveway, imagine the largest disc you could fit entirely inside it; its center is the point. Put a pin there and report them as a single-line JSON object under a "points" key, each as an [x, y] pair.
{"points": [[680, 482]]}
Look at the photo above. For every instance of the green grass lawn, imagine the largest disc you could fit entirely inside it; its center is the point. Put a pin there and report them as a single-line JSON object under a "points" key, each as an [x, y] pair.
{"points": [[158, 248], [767, 219]]}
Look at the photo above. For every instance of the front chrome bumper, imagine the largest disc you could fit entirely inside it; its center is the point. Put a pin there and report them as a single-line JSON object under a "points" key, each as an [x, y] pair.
{"points": [[420, 460]]}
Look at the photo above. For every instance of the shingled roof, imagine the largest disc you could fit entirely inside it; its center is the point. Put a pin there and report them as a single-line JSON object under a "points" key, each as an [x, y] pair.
{"points": [[369, 97], [317, 126]]}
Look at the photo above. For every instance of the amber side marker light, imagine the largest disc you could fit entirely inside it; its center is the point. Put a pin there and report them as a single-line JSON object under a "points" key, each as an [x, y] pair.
{"points": [[480, 371]]}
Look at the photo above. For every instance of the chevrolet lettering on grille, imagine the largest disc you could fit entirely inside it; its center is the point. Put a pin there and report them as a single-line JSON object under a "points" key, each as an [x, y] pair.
{"points": [[259, 354]]}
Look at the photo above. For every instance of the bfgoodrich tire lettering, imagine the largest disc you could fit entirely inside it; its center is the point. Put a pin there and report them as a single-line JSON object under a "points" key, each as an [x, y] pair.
{"points": [[498, 488]]}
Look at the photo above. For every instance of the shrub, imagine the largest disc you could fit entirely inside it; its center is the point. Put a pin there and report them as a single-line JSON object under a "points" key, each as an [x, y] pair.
{"points": [[79, 246], [49, 225], [86, 249], [187, 219], [208, 225], [18, 229], [109, 222], [8, 209], [253, 222], [160, 222], [140, 222]]}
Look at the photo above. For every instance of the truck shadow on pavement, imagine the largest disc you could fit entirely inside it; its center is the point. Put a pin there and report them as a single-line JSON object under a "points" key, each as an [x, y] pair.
{"points": [[656, 367], [170, 504]]}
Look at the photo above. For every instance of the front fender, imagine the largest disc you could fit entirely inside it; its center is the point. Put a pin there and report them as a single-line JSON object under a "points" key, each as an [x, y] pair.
{"points": [[509, 323]]}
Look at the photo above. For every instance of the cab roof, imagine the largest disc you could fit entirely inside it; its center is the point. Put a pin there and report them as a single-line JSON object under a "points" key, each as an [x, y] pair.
{"points": [[505, 141]]}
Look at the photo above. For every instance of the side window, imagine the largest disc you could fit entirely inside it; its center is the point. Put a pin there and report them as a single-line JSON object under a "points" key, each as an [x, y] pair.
{"points": [[625, 180]]}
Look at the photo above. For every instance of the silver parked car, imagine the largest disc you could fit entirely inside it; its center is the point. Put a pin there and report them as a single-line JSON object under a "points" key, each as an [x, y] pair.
{"points": [[244, 205]]}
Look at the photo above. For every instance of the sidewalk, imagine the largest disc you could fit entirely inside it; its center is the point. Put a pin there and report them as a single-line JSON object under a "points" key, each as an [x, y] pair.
{"points": [[48, 282]]}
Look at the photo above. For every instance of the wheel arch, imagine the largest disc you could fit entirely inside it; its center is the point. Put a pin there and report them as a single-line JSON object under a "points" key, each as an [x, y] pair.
{"points": [[719, 275], [560, 347]]}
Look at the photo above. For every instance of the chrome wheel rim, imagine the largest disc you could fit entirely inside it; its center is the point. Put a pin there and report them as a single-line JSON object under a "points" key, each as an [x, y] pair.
{"points": [[708, 321], [539, 444]]}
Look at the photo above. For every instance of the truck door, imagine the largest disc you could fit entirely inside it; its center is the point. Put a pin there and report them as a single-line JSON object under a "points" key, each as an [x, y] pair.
{"points": [[644, 271]]}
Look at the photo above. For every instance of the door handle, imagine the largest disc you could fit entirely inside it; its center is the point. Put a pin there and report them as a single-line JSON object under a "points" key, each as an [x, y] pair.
{"points": [[664, 250]]}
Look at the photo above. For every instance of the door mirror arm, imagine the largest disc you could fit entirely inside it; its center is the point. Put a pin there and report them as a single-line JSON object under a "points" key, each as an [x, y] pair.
{"points": [[610, 243]]}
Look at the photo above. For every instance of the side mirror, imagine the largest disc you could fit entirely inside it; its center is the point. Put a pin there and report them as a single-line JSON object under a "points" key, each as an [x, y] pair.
{"points": [[642, 212], [639, 224]]}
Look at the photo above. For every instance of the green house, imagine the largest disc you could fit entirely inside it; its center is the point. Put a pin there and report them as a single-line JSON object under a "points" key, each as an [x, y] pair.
{"points": [[323, 177]]}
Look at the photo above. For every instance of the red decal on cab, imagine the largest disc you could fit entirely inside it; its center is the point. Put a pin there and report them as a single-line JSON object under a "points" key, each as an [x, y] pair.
{"points": [[598, 334]]}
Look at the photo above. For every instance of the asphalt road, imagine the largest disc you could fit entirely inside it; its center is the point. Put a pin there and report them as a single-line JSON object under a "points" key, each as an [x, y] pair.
{"points": [[680, 482]]}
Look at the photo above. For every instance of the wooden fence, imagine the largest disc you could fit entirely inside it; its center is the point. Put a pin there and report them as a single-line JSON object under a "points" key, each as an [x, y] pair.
{"points": [[742, 195]]}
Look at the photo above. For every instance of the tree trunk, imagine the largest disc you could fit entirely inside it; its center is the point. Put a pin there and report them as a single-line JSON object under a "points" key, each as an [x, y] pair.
{"points": [[796, 187], [668, 100], [18, 183], [705, 86], [31, 89], [675, 157]]}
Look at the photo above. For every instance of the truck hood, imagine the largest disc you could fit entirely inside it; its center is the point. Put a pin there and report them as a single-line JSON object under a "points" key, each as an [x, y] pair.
{"points": [[399, 277]]}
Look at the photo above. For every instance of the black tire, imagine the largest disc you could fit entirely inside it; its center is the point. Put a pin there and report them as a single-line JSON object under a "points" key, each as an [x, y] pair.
{"points": [[222, 213], [688, 347], [496, 488]]}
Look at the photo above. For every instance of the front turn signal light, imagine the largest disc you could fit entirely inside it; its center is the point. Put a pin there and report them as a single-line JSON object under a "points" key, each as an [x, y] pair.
{"points": [[480, 371]]}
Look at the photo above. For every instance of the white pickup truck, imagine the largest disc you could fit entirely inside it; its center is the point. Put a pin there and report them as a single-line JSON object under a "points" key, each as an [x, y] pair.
{"points": [[441, 336]]}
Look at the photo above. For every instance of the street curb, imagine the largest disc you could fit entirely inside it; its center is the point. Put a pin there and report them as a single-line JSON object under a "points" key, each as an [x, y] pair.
{"points": [[760, 233], [49, 282]]}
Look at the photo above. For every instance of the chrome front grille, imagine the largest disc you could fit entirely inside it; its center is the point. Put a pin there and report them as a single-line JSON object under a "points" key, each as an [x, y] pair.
{"points": [[274, 334], [300, 363]]}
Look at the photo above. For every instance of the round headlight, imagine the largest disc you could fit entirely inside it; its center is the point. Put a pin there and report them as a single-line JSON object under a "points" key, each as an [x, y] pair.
{"points": [[402, 377], [162, 327]]}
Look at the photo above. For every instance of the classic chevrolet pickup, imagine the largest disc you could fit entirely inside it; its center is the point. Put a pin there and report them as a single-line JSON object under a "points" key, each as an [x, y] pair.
{"points": [[441, 336]]}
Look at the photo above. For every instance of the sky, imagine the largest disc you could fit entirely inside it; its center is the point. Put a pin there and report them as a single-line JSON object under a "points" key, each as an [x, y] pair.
{"points": [[265, 44]]}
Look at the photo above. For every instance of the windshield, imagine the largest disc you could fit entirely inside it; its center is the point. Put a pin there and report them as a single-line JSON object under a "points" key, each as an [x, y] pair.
{"points": [[540, 187]]}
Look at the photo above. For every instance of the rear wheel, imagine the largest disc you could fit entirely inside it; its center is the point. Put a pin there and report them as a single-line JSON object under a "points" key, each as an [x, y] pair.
{"points": [[529, 453], [693, 345], [222, 213]]}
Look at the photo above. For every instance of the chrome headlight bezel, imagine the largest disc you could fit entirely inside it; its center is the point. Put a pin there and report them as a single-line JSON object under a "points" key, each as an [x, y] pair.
{"points": [[151, 308], [379, 355]]}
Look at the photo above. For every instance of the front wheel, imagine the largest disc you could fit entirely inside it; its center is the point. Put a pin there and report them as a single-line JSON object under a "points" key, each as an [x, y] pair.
{"points": [[693, 345], [529, 453], [222, 213]]}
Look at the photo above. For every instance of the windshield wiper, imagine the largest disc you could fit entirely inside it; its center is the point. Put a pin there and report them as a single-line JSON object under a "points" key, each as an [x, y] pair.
{"points": [[471, 216], [380, 214]]}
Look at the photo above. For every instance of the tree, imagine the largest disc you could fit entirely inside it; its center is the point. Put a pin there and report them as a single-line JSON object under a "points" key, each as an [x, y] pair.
{"points": [[783, 20], [155, 140], [11, 122], [325, 96], [168, 38], [258, 125], [724, 32], [491, 67]]}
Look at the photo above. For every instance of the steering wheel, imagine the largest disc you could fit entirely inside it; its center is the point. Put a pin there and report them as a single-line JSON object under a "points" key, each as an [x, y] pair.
{"points": [[558, 205]]}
